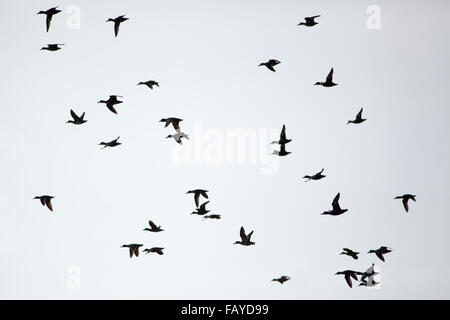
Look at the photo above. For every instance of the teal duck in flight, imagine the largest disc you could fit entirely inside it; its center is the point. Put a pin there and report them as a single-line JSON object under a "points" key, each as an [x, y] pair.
{"points": [[245, 238], [350, 253], [316, 176], [309, 21], [153, 227], [46, 201], [112, 100], [150, 84], [336, 211], [283, 139], [157, 250], [348, 275], [134, 248], [49, 13], [282, 279], [197, 193], [270, 64], [112, 143], [358, 118], [328, 82], [117, 21], [76, 118], [380, 252], [202, 210], [405, 198], [52, 47]]}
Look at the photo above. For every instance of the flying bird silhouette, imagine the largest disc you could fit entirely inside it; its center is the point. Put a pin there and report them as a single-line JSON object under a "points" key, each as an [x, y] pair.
{"points": [[112, 100], [380, 252], [76, 118], [112, 143], [348, 275], [149, 84], [117, 21], [309, 21], [212, 216], [153, 227], [52, 47], [197, 193], [157, 250], [405, 198], [283, 139], [336, 211], [282, 279], [316, 176], [245, 239], [282, 152], [174, 121], [328, 82], [358, 118], [350, 253], [270, 64], [202, 210], [178, 136], [49, 13], [46, 201], [134, 248]]}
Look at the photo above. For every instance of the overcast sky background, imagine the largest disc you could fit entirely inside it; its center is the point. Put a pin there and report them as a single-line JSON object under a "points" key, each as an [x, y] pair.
{"points": [[205, 56]]}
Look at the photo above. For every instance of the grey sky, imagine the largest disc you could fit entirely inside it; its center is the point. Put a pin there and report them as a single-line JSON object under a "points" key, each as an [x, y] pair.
{"points": [[205, 55]]}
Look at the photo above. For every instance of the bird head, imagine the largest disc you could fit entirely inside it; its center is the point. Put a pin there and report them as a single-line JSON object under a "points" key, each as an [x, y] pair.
{"points": [[169, 136]]}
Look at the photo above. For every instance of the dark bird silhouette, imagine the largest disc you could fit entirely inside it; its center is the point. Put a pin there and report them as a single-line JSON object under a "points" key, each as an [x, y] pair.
{"points": [[49, 13], [270, 64], [197, 193], [46, 201], [282, 279], [350, 253], [112, 100], [149, 83], [405, 198], [283, 139], [348, 275], [328, 82], [358, 118], [316, 176], [178, 136], [174, 121], [153, 227], [336, 211], [212, 216], [52, 47], [134, 248], [380, 251], [76, 118], [157, 250], [282, 151], [202, 210], [112, 143], [309, 21], [245, 239], [117, 21]]}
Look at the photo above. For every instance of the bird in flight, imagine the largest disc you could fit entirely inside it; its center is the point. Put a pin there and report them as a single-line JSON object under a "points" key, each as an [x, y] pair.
{"points": [[350, 253], [112, 100], [174, 121], [202, 210], [282, 279], [178, 136], [112, 143], [76, 118], [49, 13], [212, 216], [282, 152], [197, 193], [405, 198], [328, 82], [358, 118], [52, 47], [153, 227], [117, 21], [46, 201], [245, 239], [348, 275], [149, 83], [316, 176], [336, 211], [380, 251], [134, 249], [157, 250], [369, 273], [309, 21], [283, 139], [270, 64]]}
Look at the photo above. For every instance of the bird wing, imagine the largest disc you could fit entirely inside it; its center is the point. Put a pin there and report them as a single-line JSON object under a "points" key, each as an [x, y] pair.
{"points": [[353, 275], [330, 76], [111, 108], [282, 148], [49, 204], [82, 116], [335, 202], [242, 234], [196, 196], [313, 17], [203, 206], [249, 236], [283, 133], [405, 204], [74, 115], [116, 27], [131, 252], [380, 255], [270, 67], [348, 279], [320, 172], [152, 225], [176, 125], [203, 193], [359, 115], [136, 251], [48, 20]]}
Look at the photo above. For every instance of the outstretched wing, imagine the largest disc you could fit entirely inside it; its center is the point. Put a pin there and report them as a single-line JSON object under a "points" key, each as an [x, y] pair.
{"points": [[405, 204], [283, 133], [203, 193], [74, 115], [379, 255], [330, 76], [152, 225], [359, 115], [49, 204], [270, 67], [116, 27], [348, 279], [242, 234], [249, 236], [111, 108], [335, 202]]}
